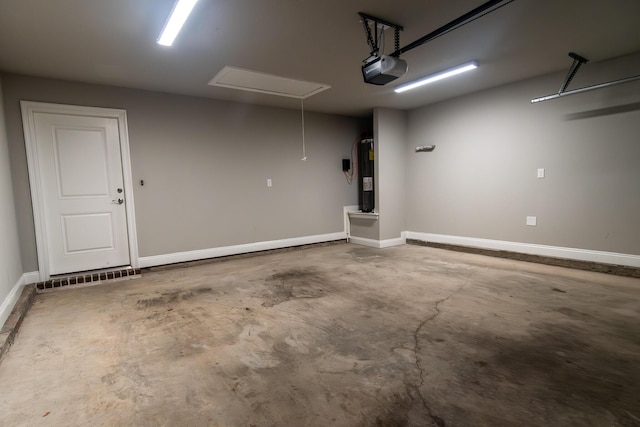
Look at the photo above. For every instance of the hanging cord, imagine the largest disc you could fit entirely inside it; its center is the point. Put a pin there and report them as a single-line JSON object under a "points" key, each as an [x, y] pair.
{"points": [[354, 162], [374, 42], [373, 45], [304, 149]]}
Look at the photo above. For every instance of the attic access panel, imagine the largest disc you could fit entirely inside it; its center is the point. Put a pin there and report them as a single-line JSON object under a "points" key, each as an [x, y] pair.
{"points": [[254, 81]]}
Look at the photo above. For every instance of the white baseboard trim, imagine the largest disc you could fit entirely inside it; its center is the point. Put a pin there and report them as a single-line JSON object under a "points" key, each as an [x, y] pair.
{"points": [[532, 249], [31, 277], [399, 241], [364, 241], [378, 243], [152, 261], [14, 294]]}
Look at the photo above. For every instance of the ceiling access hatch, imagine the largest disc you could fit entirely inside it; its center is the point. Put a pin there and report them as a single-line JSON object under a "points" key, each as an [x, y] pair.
{"points": [[253, 81]]}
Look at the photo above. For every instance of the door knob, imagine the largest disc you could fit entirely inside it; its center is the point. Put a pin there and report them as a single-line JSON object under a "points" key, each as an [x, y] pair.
{"points": [[117, 202]]}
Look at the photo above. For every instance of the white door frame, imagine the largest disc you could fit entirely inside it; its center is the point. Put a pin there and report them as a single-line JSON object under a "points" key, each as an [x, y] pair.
{"points": [[29, 108]]}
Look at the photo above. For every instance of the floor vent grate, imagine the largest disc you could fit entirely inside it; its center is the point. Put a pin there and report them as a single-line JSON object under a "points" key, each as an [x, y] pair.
{"points": [[88, 279]]}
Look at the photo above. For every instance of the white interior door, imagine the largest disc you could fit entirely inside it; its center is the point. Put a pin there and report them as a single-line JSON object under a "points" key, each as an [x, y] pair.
{"points": [[82, 192]]}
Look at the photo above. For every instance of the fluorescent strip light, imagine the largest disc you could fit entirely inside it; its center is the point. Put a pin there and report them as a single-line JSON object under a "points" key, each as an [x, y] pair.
{"points": [[179, 15], [438, 76]]}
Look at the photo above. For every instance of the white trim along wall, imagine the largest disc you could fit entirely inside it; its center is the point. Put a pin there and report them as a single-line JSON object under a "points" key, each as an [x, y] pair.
{"points": [[151, 261], [380, 244], [12, 298], [525, 248], [532, 249], [172, 258]]}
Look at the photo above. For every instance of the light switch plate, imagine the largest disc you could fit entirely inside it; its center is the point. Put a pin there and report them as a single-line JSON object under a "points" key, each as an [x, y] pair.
{"points": [[540, 172], [269, 182], [532, 220]]}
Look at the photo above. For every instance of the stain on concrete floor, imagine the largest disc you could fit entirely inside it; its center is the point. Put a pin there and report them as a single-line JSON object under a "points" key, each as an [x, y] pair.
{"points": [[333, 336], [296, 284]]}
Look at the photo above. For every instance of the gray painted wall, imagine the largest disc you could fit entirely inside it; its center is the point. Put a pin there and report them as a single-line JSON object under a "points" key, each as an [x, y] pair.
{"points": [[366, 228], [390, 128], [205, 164], [10, 264], [481, 179]]}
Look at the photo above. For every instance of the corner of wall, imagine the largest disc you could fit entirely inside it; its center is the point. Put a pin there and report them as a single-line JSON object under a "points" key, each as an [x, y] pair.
{"points": [[10, 262], [390, 135]]}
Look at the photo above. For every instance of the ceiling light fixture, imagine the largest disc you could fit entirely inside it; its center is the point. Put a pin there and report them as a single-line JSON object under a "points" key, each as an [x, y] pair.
{"points": [[437, 76], [179, 15]]}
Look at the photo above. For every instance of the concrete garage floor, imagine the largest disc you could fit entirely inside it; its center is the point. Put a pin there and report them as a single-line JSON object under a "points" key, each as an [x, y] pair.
{"points": [[337, 335]]}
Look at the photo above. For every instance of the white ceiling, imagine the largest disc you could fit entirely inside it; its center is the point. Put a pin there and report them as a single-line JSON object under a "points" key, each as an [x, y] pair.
{"points": [[113, 42]]}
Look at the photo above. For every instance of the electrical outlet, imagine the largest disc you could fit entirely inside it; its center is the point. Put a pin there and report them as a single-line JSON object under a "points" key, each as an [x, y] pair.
{"points": [[269, 182], [541, 173], [532, 220]]}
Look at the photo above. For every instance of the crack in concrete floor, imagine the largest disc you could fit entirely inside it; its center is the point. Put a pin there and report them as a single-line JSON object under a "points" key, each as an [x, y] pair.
{"points": [[437, 421]]}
